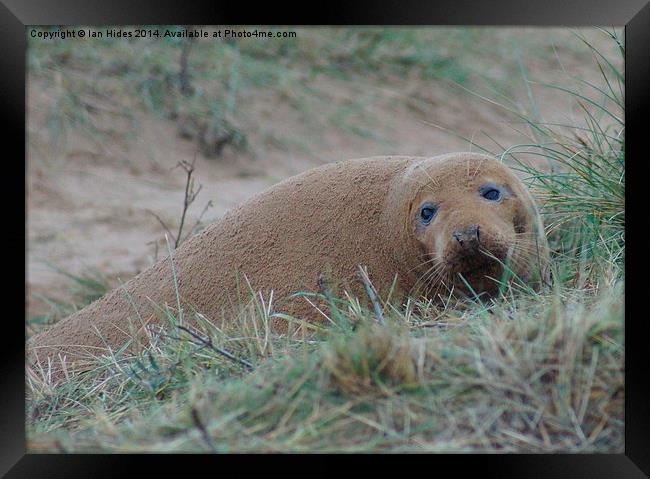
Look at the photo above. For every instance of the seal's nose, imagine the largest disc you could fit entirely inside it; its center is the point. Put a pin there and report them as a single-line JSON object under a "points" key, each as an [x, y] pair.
{"points": [[469, 238]]}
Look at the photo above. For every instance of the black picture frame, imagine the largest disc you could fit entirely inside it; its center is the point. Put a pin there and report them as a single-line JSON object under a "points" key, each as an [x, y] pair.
{"points": [[15, 15]]}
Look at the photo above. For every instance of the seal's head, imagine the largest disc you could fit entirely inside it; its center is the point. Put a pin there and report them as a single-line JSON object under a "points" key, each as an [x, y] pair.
{"points": [[473, 223]]}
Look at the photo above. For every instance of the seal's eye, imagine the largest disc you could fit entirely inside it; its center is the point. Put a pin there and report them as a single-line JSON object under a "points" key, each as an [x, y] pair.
{"points": [[427, 212], [491, 193]]}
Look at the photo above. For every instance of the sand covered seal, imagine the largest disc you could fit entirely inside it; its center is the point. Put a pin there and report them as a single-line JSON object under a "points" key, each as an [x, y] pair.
{"points": [[417, 224]]}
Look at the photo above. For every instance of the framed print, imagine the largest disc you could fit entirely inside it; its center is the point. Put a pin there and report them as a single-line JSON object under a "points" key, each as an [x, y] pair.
{"points": [[381, 231]]}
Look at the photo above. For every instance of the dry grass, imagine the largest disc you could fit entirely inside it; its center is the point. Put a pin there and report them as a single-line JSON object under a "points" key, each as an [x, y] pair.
{"points": [[540, 374]]}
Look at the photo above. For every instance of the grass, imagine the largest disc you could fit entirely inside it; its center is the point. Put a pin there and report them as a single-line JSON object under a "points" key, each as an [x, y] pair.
{"points": [[581, 186], [532, 371], [83, 289], [532, 374]]}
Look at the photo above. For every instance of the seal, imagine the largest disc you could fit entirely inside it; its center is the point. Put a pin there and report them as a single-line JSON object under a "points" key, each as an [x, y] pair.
{"points": [[454, 222]]}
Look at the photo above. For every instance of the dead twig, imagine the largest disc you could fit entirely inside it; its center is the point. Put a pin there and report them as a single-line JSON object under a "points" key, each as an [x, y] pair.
{"points": [[208, 342], [190, 194], [161, 222], [372, 293], [208, 205]]}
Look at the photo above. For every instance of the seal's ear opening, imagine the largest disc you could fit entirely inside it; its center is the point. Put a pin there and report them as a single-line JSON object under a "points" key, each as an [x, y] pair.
{"points": [[410, 210]]}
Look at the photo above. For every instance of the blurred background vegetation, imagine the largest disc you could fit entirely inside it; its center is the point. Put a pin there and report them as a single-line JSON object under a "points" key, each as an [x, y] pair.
{"points": [[338, 79]]}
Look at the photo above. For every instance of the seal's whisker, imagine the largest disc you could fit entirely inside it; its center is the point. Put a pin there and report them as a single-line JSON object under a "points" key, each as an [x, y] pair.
{"points": [[434, 273], [529, 236], [520, 261], [437, 278], [513, 261], [431, 260], [440, 275], [429, 276], [422, 279], [527, 248]]}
